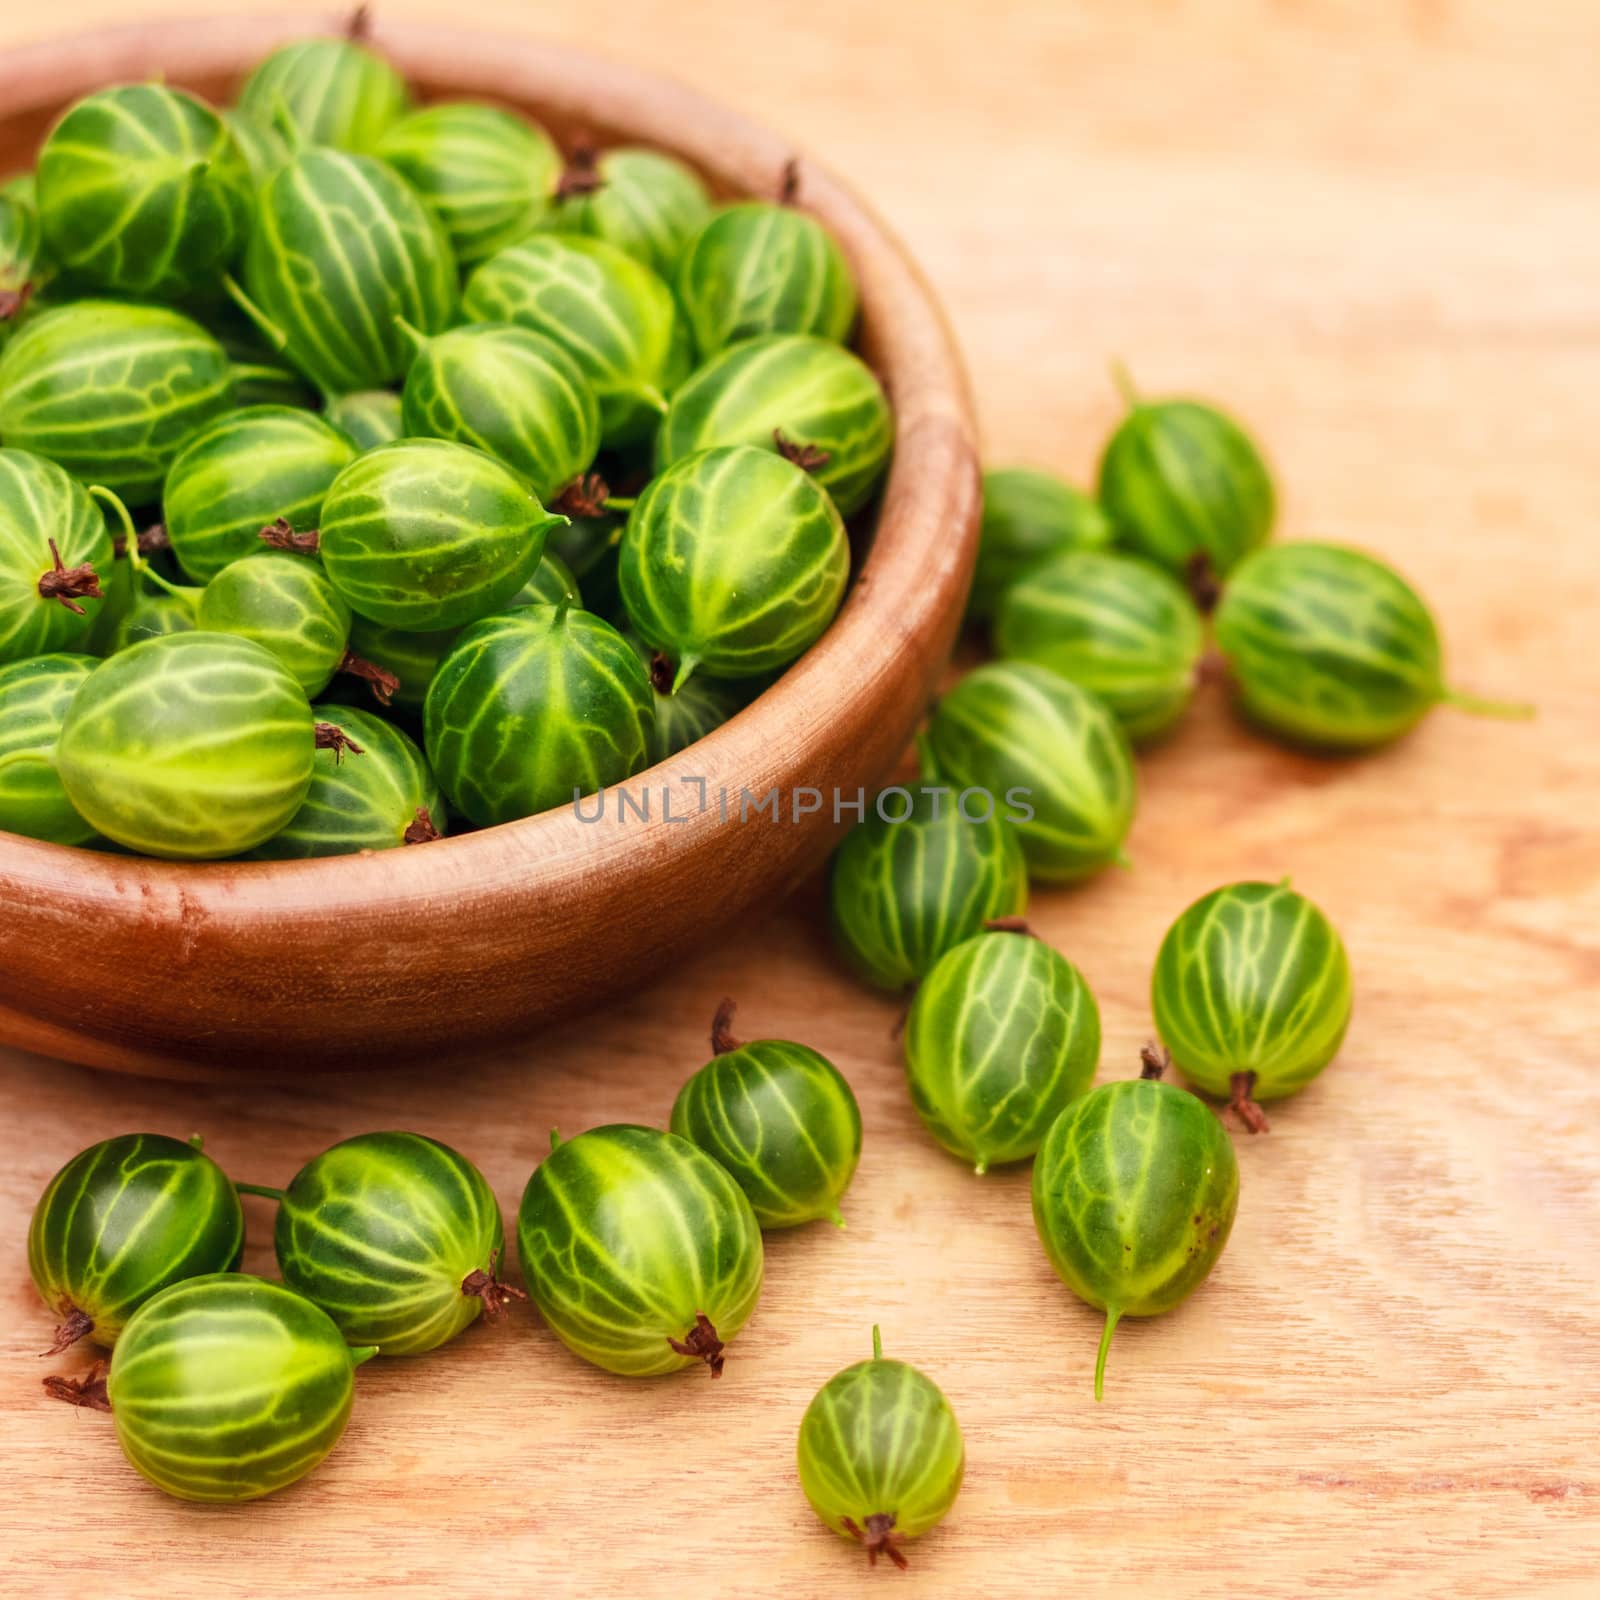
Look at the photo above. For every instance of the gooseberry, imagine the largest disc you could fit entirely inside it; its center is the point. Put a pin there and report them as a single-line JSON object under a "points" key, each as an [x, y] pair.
{"points": [[645, 202], [1028, 517], [326, 91], [368, 417], [34, 696]]}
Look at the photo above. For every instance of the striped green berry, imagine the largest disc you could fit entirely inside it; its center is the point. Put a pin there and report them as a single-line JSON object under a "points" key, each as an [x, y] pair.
{"points": [[424, 534], [802, 396], [34, 696], [485, 170], [881, 1456], [1049, 753], [642, 201], [112, 392], [228, 1387], [1183, 482], [639, 1250], [285, 602], [143, 191], [151, 614], [1114, 624], [1252, 993], [1028, 517], [195, 745], [734, 562], [20, 259], [1002, 1034], [687, 716], [1134, 1194], [370, 790], [780, 1118], [760, 268], [122, 1221], [247, 470], [326, 91], [534, 708], [515, 394], [263, 147], [368, 417], [396, 1237], [611, 314], [343, 252]]}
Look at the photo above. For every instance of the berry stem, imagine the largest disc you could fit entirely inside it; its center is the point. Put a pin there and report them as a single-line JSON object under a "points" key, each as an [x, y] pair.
{"points": [[274, 335], [75, 1325], [422, 830], [877, 1342], [88, 1391], [385, 685], [722, 1039], [1154, 1060], [1125, 385], [1476, 706], [261, 1190], [67, 584], [487, 1287], [685, 671], [701, 1342], [1241, 1086], [1113, 1317]]}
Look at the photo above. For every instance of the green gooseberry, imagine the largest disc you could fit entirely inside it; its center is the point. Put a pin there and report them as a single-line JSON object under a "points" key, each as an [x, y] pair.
{"points": [[1003, 1033], [153, 615], [111, 391], [780, 1118], [142, 191], [20, 259], [326, 91], [191, 746], [881, 1456], [1184, 483], [229, 1387], [762, 268], [734, 562], [639, 1250], [263, 147], [1331, 648], [1111, 623], [342, 254], [287, 603], [424, 534], [534, 708], [396, 1237], [1028, 517], [1252, 994], [123, 1220], [485, 170], [807, 398], [53, 548], [21, 186], [248, 470], [368, 417], [687, 716], [515, 394], [922, 874], [1134, 1194], [34, 696], [611, 314], [1052, 753], [643, 201]]}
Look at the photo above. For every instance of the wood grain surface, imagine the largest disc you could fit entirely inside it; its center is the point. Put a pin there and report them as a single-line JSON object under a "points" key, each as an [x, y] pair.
{"points": [[1371, 230]]}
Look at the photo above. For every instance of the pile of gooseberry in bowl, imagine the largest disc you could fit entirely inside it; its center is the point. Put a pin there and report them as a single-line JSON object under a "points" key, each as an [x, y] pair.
{"points": [[468, 512]]}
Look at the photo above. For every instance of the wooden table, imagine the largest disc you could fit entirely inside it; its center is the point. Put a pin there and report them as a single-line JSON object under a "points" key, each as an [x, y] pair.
{"points": [[1371, 229]]}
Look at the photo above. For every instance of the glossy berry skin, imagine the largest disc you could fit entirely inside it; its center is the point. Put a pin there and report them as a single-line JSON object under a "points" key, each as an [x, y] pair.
{"points": [[191, 746], [807, 390], [733, 563], [1016, 726], [142, 191], [514, 394], [368, 417], [228, 1388], [782, 1121], [285, 602], [627, 1237], [532, 708], [343, 251], [1028, 517], [1252, 978], [902, 892], [486, 171], [241, 474], [34, 696], [328, 92], [1329, 647], [111, 392], [424, 534], [1134, 1194], [122, 1221], [758, 268], [647, 203], [373, 798], [40, 504], [394, 1235], [1119, 626], [880, 1454], [1181, 480], [1003, 1033], [610, 313]]}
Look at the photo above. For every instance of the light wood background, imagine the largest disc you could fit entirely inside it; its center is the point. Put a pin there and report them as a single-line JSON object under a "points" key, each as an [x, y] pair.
{"points": [[1371, 229]]}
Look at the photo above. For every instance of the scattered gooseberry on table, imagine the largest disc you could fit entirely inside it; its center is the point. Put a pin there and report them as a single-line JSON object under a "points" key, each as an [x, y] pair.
{"points": [[1028, 517]]}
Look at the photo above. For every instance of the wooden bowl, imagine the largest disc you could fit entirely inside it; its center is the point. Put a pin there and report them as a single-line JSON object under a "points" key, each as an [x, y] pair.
{"points": [[185, 970]]}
